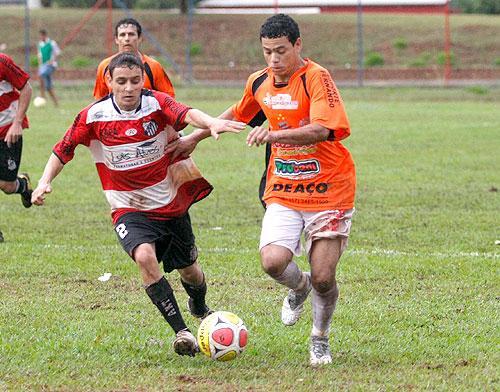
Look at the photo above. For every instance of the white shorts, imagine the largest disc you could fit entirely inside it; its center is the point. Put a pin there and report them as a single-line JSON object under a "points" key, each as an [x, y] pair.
{"points": [[284, 226]]}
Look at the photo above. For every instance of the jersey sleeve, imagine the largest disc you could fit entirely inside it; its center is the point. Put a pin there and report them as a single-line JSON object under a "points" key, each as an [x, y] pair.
{"points": [[248, 107], [78, 133], [327, 108], [174, 111], [100, 87], [162, 81], [13, 73]]}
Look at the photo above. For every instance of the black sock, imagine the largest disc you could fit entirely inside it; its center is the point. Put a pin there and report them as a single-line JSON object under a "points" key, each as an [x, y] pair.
{"points": [[22, 185], [197, 293], [163, 297]]}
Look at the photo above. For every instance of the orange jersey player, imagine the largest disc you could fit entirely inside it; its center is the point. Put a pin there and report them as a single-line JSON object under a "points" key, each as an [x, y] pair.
{"points": [[310, 180], [128, 36]]}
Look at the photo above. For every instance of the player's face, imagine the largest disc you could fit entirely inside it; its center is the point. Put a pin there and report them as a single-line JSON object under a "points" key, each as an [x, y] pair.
{"points": [[126, 85], [282, 57], [127, 38]]}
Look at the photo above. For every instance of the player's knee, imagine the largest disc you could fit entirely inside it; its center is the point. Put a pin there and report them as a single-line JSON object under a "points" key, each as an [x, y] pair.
{"points": [[7, 187], [144, 256], [272, 267], [324, 284]]}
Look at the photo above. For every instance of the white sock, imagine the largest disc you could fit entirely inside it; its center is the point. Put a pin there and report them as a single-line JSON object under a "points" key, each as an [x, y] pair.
{"points": [[323, 306], [292, 277]]}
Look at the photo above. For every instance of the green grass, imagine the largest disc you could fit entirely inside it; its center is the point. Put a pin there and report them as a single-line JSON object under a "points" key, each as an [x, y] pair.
{"points": [[419, 282]]}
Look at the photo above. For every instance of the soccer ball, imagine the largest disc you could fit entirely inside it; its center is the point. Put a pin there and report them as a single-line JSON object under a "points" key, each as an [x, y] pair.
{"points": [[222, 336], [39, 102]]}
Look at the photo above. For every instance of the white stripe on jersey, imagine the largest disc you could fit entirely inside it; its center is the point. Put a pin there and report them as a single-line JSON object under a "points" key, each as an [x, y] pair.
{"points": [[5, 87], [158, 195], [129, 156], [105, 111], [9, 114]]}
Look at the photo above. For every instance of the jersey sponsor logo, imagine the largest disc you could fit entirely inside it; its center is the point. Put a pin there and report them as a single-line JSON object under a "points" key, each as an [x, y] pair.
{"points": [[280, 101], [150, 127], [131, 132], [283, 149], [310, 188], [133, 155], [293, 168]]}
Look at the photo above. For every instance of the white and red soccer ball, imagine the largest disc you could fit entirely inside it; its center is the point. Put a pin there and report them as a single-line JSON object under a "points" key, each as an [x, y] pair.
{"points": [[222, 336]]}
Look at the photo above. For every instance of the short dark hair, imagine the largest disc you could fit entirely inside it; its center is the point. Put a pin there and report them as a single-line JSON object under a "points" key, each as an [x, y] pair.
{"points": [[280, 25], [125, 59], [43, 32], [129, 21]]}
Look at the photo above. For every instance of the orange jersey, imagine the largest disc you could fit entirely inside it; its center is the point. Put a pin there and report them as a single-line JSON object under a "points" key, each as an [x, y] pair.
{"points": [[155, 77], [312, 177]]}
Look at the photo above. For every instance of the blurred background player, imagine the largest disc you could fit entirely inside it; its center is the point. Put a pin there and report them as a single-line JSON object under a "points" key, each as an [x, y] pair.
{"points": [[148, 191], [48, 51], [310, 183], [128, 36], [15, 95]]}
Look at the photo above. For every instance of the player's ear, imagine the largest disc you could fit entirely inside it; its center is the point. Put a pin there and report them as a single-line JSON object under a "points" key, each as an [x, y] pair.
{"points": [[298, 45], [108, 77]]}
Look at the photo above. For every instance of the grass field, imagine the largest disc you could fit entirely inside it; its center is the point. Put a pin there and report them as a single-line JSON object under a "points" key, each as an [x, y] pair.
{"points": [[419, 305]]}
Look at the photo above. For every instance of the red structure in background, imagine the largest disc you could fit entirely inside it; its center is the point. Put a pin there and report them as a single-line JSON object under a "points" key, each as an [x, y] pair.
{"points": [[109, 31]]}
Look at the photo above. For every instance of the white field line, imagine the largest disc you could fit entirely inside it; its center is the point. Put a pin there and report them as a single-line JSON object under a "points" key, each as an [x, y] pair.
{"points": [[223, 250]]}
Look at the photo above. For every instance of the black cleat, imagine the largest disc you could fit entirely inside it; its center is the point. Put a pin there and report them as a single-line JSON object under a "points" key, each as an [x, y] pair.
{"points": [[26, 195], [199, 313], [1, 237]]}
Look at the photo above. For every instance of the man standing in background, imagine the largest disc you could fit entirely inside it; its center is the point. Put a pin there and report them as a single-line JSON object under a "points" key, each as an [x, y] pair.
{"points": [[48, 50], [128, 36]]}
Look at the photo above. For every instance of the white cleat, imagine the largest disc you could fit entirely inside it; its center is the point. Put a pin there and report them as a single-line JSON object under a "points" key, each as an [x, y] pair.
{"points": [[320, 351], [293, 304], [185, 343]]}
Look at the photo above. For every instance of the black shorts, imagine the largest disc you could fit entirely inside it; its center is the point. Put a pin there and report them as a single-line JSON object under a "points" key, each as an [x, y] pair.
{"points": [[10, 159], [173, 238]]}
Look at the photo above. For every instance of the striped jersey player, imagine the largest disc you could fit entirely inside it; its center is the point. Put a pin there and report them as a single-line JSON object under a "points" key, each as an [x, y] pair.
{"points": [[148, 190]]}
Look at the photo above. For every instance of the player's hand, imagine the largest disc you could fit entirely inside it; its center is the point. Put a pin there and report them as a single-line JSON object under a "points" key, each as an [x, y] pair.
{"points": [[219, 126], [38, 195], [13, 134], [182, 147], [258, 136]]}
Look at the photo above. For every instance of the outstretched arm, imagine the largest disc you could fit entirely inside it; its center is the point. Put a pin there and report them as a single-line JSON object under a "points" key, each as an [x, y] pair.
{"points": [[216, 126], [52, 169], [185, 145]]}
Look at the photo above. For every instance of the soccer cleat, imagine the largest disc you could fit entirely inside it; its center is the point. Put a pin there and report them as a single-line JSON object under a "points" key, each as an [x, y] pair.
{"points": [[197, 312], [1, 236], [26, 195], [293, 304], [185, 343], [320, 351]]}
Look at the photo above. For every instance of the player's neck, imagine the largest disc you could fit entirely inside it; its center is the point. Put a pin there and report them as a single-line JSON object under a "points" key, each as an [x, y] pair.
{"points": [[284, 79]]}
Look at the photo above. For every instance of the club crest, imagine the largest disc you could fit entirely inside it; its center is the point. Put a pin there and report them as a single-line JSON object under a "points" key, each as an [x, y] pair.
{"points": [[150, 127]]}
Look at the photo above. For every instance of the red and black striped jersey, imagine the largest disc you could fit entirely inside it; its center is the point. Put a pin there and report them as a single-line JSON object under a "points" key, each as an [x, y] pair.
{"points": [[128, 149]]}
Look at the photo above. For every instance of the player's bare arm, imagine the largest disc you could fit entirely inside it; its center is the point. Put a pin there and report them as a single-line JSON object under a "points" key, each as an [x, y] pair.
{"points": [[308, 134], [52, 169], [16, 130], [185, 146], [216, 126]]}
